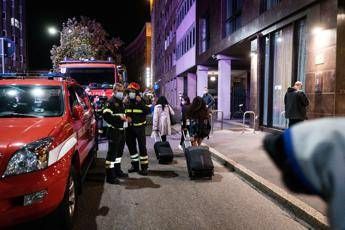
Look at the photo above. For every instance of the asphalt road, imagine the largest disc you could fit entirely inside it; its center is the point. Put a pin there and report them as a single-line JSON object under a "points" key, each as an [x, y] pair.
{"points": [[168, 199]]}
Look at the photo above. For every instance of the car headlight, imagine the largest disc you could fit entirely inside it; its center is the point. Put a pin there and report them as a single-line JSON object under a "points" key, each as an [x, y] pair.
{"points": [[32, 157]]}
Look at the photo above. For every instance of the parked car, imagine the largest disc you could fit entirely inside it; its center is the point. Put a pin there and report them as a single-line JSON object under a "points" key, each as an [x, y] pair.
{"points": [[47, 143]]}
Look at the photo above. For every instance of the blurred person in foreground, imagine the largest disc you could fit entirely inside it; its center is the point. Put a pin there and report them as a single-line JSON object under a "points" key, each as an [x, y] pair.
{"points": [[311, 157]]}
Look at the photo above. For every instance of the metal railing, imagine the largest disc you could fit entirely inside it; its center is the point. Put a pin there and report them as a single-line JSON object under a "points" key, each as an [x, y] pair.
{"points": [[221, 120], [244, 118]]}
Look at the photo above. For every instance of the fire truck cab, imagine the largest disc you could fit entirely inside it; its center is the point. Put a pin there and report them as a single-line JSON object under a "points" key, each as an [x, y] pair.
{"points": [[97, 78]]}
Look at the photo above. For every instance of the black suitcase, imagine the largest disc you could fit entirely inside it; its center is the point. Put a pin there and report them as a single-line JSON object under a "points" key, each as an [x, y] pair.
{"points": [[163, 152], [199, 161]]}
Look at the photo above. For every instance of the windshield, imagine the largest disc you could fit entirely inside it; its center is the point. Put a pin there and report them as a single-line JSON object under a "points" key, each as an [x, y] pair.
{"points": [[93, 77], [31, 101]]}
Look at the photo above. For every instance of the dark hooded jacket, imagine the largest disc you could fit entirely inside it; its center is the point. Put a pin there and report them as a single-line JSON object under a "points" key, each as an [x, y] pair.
{"points": [[296, 103]]}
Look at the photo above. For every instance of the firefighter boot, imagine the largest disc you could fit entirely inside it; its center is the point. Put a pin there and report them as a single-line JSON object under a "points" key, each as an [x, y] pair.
{"points": [[119, 172], [111, 176], [143, 170], [134, 168]]}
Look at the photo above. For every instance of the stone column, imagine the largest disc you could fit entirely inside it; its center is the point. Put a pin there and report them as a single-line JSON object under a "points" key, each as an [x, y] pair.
{"points": [[202, 79], [179, 88], [191, 79], [224, 85]]}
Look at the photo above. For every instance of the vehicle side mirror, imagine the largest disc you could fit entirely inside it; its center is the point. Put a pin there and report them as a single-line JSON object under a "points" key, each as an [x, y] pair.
{"points": [[78, 112]]}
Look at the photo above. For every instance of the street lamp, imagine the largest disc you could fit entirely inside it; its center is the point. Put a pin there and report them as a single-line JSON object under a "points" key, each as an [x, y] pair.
{"points": [[53, 31]]}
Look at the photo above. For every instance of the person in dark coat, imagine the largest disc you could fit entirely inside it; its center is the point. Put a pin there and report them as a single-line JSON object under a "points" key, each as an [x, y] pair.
{"points": [[296, 103], [185, 105], [208, 99], [198, 120]]}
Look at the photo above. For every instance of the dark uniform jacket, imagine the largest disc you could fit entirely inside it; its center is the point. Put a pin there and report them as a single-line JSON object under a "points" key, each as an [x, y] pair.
{"points": [[113, 111], [295, 104], [137, 111]]}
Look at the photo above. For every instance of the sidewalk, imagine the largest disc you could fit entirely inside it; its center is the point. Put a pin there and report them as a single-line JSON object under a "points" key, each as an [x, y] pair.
{"points": [[245, 151]]}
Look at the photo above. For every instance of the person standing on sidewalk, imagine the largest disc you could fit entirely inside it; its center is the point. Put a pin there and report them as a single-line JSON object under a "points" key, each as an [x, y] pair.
{"points": [[296, 103], [208, 98], [114, 115], [199, 121], [185, 105], [162, 118], [136, 110]]}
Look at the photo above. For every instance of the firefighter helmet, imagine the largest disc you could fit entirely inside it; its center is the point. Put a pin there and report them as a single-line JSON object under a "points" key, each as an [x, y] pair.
{"points": [[134, 85]]}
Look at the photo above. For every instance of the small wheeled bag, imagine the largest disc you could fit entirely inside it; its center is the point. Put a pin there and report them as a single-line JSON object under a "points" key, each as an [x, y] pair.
{"points": [[199, 161], [163, 151]]}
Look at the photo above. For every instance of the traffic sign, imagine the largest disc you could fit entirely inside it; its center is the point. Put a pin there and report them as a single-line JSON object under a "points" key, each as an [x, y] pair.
{"points": [[9, 47]]}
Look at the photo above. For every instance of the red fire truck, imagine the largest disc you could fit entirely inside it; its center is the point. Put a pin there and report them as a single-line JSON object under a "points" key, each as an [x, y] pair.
{"points": [[97, 78]]}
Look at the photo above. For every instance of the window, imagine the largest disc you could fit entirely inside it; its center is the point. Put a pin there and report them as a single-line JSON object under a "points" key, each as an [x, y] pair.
{"points": [[183, 11], [266, 80], [282, 72], [29, 100], [301, 50], [82, 98], [268, 4], [232, 16], [284, 62], [204, 34], [73, 100], [194, 36], [186, 43]]}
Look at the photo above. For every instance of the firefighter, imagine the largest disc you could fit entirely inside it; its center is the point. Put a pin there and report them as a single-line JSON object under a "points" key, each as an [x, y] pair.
{"points": [[136, 110], [114, 115]]}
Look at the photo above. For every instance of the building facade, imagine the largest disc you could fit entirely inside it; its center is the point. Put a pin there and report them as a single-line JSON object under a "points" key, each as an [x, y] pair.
{"points": [[137, 58], [163, 18], [248, 52], [186, 48], [258, 48], [12, 26]]}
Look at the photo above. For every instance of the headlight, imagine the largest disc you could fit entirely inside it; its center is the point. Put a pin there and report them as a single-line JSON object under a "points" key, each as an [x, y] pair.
{"points": [[30, 158]]}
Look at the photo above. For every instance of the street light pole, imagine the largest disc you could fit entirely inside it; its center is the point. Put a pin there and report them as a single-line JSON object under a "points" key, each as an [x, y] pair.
{"points": [[3, 55]]}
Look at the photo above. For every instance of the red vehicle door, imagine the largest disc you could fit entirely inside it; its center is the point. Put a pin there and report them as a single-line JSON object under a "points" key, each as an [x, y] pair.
{"points": [[89, 119], [81, 120]]}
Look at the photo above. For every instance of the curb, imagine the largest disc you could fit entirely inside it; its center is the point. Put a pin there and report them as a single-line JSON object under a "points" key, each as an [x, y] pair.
{"points": [[298, 208]]}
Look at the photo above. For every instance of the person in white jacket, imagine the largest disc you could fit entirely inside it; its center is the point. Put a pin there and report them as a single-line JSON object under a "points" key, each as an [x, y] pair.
{"points": [[162, 113], [311, 157]]}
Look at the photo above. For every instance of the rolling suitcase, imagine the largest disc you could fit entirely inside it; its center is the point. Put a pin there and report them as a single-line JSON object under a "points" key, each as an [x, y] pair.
{"points": [[163, 151], [199, 161]]}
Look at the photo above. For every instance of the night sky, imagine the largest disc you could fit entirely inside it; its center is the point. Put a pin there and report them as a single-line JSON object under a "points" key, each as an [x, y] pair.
{"points": [[125, 19]]}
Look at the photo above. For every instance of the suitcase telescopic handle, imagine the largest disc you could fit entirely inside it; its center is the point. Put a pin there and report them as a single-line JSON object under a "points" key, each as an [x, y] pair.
{"points": [[159, 135], [185, 133]]}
